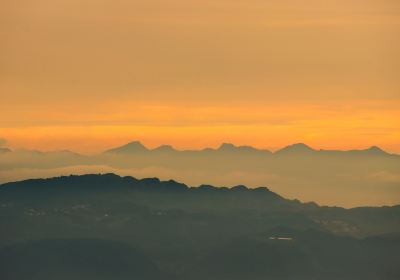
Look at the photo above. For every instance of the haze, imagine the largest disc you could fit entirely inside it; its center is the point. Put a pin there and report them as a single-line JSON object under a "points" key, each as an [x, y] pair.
{"points": [[199, 139], [88, 75], [368, 177]]}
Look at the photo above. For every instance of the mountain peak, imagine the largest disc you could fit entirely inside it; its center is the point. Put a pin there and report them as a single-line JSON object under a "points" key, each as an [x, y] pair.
{"points": [[227, 147], [375, 150], [296, 148], [164, 148], [131, 147]]}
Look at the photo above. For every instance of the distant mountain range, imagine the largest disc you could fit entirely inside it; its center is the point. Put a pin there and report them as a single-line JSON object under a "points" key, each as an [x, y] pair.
{"points": [[298, 148], [135, 147], [347, 178]]}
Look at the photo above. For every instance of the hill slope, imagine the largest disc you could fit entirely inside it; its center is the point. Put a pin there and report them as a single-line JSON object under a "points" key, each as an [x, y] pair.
{"points": [[196, 233]]}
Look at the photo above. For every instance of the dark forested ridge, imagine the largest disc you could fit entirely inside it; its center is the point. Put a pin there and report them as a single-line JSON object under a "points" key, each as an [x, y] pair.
{"points": [[112, 227]]}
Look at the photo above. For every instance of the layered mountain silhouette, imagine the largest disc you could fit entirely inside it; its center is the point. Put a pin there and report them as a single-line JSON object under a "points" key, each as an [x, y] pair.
{"points": [[137, 147], [347, 178], [104, 226], [298, 148]]}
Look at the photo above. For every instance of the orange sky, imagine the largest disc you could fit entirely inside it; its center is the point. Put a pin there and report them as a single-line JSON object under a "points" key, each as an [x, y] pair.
{"points": [[86, 75]]}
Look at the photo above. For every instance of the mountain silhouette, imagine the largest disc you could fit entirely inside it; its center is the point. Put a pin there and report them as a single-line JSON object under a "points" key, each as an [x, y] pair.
{"points": [[104, 226], [132, 147], [110, 181], [375, 150], [371, 151], [230, 148], [164, 149], [227, 147], [294, 149], [299, 148], [137, 147], [330, 177]]}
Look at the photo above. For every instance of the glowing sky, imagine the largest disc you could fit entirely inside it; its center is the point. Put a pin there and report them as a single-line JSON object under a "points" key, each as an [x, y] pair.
{"points": [[89, 74]]}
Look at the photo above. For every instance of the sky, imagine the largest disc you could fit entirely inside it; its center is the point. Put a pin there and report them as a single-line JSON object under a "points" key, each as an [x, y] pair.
{"points": [[88, 75]]}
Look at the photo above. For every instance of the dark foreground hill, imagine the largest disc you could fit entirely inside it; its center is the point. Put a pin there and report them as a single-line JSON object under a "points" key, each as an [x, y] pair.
{"points": [[186, 233], [77, 259]]}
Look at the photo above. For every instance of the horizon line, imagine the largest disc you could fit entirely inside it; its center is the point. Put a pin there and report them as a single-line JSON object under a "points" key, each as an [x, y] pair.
{"points": [[221, 146]]}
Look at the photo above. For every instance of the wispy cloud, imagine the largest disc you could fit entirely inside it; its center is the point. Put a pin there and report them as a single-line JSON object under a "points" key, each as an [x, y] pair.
{"points": [[3, 142]]}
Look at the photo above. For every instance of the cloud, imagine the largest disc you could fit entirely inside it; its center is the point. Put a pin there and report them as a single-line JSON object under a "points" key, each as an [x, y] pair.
{"points": [[3, 142]]}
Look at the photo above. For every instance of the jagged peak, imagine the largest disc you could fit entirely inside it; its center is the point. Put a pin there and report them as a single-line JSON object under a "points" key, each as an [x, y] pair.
{"points": [[296, 148], [227, 146], [164, 148], [135, 143], [376, 149], [131, 147]]}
